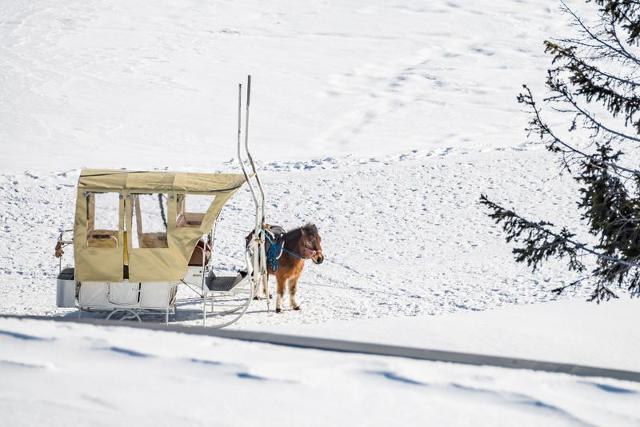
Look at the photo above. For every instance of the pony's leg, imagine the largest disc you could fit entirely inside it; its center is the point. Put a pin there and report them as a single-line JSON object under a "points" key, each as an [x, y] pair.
{"points": [[280, 292], [293, 286]]}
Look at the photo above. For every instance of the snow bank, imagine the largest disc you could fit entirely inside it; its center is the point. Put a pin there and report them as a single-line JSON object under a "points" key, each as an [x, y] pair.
{"points": [[70, 374], [563, 331]]}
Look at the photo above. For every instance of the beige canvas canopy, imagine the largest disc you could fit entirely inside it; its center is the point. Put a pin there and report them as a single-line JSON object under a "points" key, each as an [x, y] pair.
{"points": [[105, 253]]}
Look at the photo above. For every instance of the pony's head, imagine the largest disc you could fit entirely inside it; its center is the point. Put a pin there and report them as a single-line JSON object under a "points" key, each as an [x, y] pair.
{"points": [[311, 244]]}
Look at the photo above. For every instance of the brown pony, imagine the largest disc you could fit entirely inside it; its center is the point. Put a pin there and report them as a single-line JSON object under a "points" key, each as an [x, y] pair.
{"points": [[300, 244]]}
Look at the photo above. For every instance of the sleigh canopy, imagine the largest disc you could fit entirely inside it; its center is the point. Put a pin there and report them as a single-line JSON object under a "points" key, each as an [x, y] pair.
{"points": [[140, 226]]}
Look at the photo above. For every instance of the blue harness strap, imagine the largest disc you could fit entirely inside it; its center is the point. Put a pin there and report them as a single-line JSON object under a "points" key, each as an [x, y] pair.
{"points": [[274, 250]]}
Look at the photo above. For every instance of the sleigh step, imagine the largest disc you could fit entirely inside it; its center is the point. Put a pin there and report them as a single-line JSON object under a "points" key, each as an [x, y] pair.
{"points": [[224, 283]]}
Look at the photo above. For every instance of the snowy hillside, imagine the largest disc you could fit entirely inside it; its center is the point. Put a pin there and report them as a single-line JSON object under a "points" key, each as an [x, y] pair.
{"points": [[382, 123], [402, 236], [155, 84]]}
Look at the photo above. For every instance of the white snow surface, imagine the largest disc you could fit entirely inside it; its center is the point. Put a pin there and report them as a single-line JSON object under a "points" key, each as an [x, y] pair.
{"points": [[381, 122], [71, 374], [560, 331], [401, 235], [92, 83]]}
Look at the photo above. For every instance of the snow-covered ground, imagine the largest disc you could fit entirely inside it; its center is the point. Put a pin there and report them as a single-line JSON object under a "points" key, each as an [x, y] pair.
{"points": [[382, 122], [155, 83], [71, 374], [560, 331], [402, 235]]}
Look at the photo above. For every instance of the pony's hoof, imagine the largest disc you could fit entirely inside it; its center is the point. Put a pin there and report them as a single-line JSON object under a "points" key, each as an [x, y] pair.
{"points": [[297, 308], [256, 298], [278, 310]]}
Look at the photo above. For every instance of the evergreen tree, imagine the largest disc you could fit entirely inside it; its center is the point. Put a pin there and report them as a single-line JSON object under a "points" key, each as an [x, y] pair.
{"points": [[598, 69]]}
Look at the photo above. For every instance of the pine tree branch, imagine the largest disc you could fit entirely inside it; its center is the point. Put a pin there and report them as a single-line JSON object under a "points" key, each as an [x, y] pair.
{"points": [[576, 64], [543, 129], [566, 96], [622, 48], [560, 289], [605, 94], [501, 215], [618, 14], [621, 52], [601, 293], [609, 194], [599, 124]]}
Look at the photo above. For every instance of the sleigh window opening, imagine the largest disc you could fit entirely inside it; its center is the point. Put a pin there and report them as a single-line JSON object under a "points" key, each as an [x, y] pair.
{"points": [[103, 220], [191, 209], [148, 221]]}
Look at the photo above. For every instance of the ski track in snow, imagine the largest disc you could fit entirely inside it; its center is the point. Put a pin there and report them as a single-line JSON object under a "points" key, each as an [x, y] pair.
{"points": [[403, 235]]}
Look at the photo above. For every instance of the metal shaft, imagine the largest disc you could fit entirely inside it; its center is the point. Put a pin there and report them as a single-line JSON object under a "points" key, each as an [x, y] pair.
{"points": [[251, 162], [244, 171]]}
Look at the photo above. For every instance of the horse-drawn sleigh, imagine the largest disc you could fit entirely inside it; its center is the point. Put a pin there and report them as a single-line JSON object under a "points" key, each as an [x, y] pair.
{"points": [[139, 235]]}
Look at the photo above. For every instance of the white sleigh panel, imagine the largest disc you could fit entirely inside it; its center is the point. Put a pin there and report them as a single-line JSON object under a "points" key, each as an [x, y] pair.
{"points": [[157, 295], [107, 296]]}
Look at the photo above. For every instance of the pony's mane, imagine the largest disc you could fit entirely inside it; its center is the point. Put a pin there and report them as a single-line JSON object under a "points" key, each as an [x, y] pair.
{"points": [[310, 229]]}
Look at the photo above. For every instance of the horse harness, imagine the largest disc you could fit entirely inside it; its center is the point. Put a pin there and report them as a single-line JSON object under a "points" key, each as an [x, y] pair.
{"points": [[276, 238]]}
